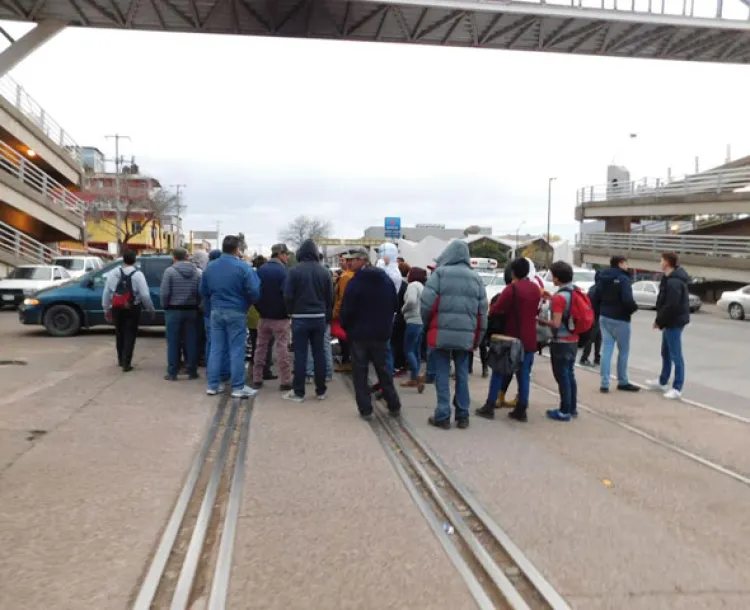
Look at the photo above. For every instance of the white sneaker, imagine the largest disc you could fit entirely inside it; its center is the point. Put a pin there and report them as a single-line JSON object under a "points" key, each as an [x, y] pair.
{"points": [[246, 392], [673, 394], [290, 395], [219, 390], [321, 396], [654, 385]]}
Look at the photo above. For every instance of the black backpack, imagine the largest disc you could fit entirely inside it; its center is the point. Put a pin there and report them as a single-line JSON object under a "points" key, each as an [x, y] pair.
{"points": [[124, 296]]}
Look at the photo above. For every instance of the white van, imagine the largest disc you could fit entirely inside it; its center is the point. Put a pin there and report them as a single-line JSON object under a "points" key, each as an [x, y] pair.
{"points": [[78, 266]]}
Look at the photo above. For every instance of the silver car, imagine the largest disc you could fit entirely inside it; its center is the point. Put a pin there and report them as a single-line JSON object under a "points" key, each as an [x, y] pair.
{"points": [[736, 303], [645, 294]]}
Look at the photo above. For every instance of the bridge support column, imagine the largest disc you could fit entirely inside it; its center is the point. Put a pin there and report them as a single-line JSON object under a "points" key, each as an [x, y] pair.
{"points": [[620, 224], [27, 44]]}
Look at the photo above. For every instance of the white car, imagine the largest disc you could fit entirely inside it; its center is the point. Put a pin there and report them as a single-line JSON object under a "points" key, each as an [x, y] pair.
{"points": [[78, 266], [736, 303], [494, 283], [26, 280], [583, 278], [645, 293]]}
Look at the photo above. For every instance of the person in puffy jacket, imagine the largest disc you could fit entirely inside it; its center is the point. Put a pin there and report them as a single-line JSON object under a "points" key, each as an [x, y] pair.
{"points": [[414, 328], [672, 316], [454, 314]]}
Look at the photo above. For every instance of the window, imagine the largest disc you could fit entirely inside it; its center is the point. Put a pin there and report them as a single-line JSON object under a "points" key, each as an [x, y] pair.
{"points": [[583, 276], [746, 290], [31, 273], [72, 264], [154, 268], [650, 288], [90, 266], [136, 227]]}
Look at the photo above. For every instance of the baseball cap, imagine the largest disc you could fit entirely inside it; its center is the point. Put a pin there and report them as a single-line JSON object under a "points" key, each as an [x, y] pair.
{"points": [[356, 253], [278, 249]]}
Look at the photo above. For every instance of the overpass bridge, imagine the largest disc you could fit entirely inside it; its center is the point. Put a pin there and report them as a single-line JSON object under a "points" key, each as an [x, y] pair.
{"points": [[712, 257], [694, 30]]}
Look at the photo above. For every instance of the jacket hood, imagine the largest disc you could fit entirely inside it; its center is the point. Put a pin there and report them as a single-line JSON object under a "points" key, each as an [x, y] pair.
{"points": [[214, 254], [185, 269], [308, 251], [610, 274], [200, 259], [679, 274], [370, 274], [390, 250], [455, 253]]}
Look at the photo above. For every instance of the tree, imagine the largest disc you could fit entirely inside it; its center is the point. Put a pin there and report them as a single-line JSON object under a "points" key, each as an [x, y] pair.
{"points": [[304, 227], [486, 248], [538, 251], [137, 212], [243, 243], [472, 230]]}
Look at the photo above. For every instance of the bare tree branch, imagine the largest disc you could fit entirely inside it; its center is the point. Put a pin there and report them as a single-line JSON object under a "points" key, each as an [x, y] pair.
{"points": [[304, 227]]}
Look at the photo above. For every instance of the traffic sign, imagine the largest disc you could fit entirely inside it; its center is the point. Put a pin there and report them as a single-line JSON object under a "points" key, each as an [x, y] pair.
{"points": [[393, 227]]}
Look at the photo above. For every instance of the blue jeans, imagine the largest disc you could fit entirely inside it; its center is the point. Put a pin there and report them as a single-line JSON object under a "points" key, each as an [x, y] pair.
{"points": [[182, 329], [224, 374], [563, 356], [309, 332], [443, 383], [328, 352], [228, 333], [413, 348], [614, 332], [498, 383], [671, 352], [429, 373]]}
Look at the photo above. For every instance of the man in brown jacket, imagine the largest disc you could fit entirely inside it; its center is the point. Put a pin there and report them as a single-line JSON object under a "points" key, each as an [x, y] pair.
{"points": [[338, 297]]}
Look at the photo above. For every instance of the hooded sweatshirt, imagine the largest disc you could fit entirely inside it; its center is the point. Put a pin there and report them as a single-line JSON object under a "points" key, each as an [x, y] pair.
{"points": [[369, 306], [180, 286], [454, 301], [673, 302], [613, 296], [200, 258], [391, 267], [308, 292]]}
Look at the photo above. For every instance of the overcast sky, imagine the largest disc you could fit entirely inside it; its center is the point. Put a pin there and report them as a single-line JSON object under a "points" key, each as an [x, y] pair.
{"points": [[262, 130]]}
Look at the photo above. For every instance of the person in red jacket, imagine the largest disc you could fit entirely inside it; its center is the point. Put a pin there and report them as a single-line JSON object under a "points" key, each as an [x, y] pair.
{"points": [[518, 304]]}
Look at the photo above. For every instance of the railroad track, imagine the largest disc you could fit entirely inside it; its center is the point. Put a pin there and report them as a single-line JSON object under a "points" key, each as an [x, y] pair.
{"points": [[495, 570], [191, 565]]}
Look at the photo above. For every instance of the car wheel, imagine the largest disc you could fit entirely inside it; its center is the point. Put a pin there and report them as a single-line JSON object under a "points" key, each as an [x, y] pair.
{"points": [[736, 311], [62, 321]]}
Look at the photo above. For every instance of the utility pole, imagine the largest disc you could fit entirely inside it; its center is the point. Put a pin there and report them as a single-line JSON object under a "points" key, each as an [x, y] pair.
{"points": [[549, 218], [178, 188], [118, 161]]}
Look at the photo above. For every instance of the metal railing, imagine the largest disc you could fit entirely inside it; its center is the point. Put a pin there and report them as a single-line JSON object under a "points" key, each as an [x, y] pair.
{"points": [[731, 10], [20, 167], [30, 108], [698, 245], [22, 247], [720, 181]]}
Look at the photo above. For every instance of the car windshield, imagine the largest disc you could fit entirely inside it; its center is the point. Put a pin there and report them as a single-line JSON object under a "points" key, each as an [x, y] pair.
{"points": [[71, 264], [31, 273], [487, 278], [583, 276]]}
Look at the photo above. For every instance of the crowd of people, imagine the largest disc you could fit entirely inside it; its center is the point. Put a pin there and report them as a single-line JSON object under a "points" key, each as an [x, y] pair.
{"points": [[392, 317]]}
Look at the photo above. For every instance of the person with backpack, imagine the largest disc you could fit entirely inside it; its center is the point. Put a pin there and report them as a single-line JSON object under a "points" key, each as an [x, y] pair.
{"points": [[572, 320], [125, 295], [613, 299], [180, 297]]}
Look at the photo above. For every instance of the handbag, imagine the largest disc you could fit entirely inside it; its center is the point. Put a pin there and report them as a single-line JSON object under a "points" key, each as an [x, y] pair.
{"points": [[544, 333], [337, 332], [506, 354]]}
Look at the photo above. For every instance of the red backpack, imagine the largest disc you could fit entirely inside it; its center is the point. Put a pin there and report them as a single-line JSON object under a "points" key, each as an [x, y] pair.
{"points": [[579, 315]]}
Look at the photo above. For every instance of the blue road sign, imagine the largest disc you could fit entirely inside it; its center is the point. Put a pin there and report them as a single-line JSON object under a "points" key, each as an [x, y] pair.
{"points": [[392, 227]]}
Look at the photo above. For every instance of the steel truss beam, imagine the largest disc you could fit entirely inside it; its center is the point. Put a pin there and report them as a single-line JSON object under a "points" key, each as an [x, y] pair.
{"points": [[20, 49]]}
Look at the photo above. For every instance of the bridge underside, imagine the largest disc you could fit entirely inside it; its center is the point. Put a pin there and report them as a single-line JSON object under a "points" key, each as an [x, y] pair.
{"points": [[510, 25], [715, 268], [666, 207]]}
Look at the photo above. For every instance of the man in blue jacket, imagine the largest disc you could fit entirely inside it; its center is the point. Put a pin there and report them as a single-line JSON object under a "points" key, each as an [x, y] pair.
{"points": [[230, 286], [367, 311], [308, 296], [274, 321], [613, 300]]}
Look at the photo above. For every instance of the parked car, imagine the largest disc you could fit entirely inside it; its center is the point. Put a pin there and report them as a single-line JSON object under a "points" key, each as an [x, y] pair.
{"points": [[78, 266], [26, 280], [735, 302], [583, 278], [64, 310], [494, 283], [645, 294]]}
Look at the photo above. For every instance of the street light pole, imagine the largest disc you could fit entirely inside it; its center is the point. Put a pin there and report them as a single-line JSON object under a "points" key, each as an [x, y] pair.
{"points": [[549, 218], [117, 137], [178, 188], [518, 229]]}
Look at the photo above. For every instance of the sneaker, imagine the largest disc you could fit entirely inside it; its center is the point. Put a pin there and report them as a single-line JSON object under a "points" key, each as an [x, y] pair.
{"points": [[558, 415], [245, 392], [285, 387], [628, 387], [673, 394], [322, 396], [215, 391], [445, 424], [655, 385], [366, 416], [604, 390], [585, 362], [597, 362], [463, 422], [194, 376], [574, 414], [519, 415], [290, 395], [170, 377], [309, 380], [257, 385]]}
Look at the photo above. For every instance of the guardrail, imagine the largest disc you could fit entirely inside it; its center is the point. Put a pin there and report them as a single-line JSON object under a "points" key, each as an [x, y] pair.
{"points": [[698, 245], [22, 247], [717, 181], [32, 110], [20, 167]]}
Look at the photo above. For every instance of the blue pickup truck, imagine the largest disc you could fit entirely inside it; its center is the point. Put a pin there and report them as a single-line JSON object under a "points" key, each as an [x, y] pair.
{"points": [[65, 309]]}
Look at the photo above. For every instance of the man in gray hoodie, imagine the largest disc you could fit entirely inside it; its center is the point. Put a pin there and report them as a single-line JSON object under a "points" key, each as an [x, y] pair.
{"points": [[180, 299]]}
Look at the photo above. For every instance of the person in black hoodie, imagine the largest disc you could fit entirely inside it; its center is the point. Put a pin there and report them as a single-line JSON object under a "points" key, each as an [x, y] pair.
{"points": [[672, 316], [596, 340], [308, 297], [613, 300], [367, 311]]}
